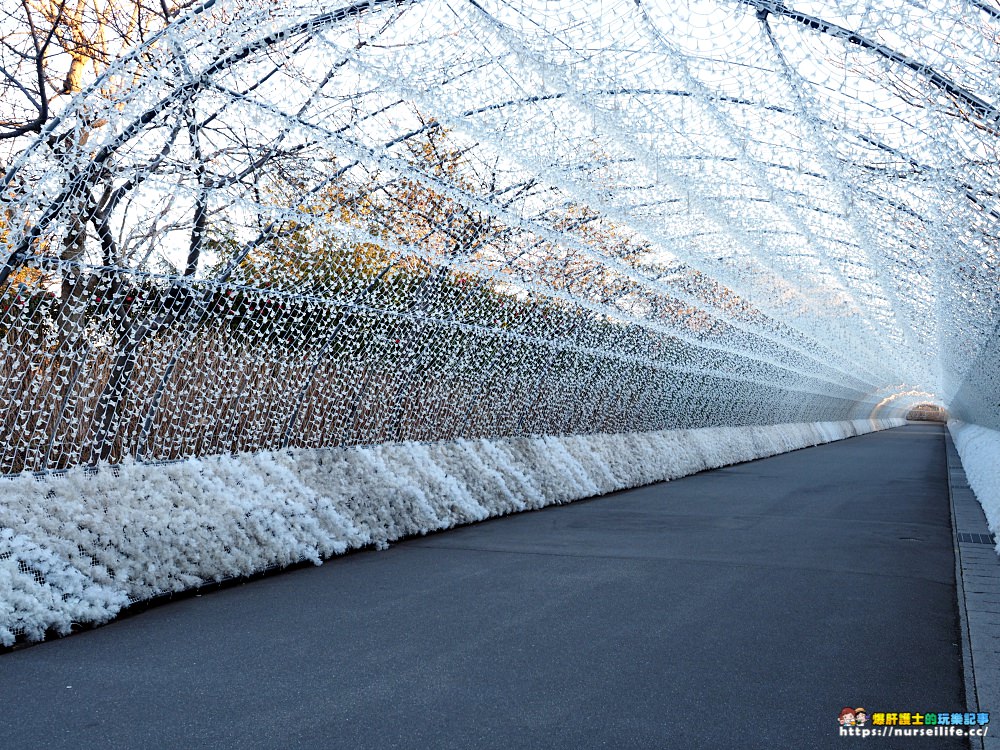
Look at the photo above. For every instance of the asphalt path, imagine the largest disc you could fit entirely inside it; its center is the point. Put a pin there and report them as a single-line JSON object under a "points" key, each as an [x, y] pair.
{"points": [[737, 608]]}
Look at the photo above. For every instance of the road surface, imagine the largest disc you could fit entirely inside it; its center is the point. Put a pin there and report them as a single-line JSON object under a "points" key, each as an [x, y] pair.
{"points": [[737, 608]]}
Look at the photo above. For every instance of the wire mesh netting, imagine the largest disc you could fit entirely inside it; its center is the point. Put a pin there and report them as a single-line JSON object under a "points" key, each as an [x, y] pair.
{"points": [[250, 225]]}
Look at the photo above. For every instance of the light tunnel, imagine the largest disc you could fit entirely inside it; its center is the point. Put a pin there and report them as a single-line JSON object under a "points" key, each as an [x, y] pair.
{"points": [[262, 227]]}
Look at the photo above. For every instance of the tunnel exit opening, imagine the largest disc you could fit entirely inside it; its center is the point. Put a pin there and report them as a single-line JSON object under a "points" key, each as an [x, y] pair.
{"points": [[927, 413]]}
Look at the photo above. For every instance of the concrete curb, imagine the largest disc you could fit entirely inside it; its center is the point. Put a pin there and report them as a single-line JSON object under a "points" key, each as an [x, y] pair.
{"points": [[977, 579]]}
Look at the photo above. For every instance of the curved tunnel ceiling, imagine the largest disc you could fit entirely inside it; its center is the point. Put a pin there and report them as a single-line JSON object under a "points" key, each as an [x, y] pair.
{"points": [[799, 197]]}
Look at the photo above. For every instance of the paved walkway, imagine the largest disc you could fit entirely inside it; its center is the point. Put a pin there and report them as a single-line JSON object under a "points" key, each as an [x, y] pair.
{"points": [[741, 607]]}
